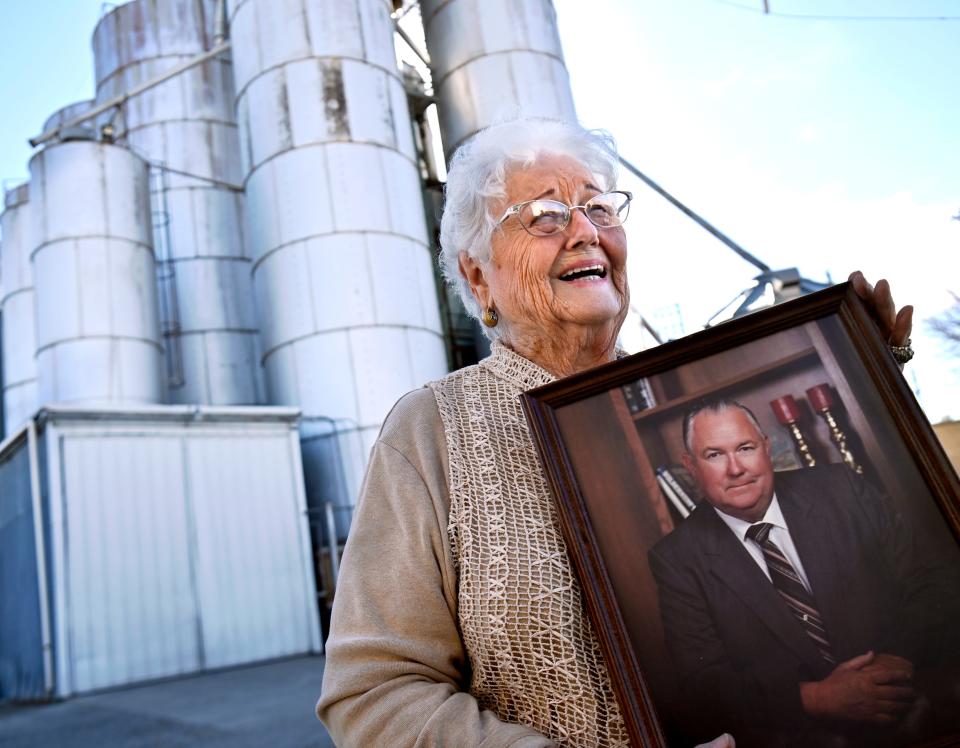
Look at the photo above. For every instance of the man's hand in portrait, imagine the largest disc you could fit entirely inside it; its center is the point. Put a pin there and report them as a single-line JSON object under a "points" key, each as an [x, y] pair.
{"points": [[868, 688]]}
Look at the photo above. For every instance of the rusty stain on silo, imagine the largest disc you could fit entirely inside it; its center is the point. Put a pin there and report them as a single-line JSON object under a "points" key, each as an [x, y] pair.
{"points": [[284, 129], [335, 100]]}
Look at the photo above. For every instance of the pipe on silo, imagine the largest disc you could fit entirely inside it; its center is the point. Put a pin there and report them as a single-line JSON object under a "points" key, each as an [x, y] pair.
{"points": [[494, 60], [186, 128], [84, 131], [98, 338], [220, 22], [342, 265], [16, 302]]}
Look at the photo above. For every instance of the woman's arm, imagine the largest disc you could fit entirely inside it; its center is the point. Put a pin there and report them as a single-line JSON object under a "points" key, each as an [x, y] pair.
{"points": [[396, 670]]}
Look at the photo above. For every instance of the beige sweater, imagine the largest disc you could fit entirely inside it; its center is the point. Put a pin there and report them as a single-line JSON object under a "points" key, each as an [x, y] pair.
{"points": [[462, 627]]}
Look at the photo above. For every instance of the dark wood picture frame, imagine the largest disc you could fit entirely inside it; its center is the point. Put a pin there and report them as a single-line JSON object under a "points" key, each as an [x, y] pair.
{"points": [[600, 449]]}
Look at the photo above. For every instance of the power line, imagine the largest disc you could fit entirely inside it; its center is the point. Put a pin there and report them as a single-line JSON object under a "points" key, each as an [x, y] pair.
{"points": [[696, 217], [819, 17]]}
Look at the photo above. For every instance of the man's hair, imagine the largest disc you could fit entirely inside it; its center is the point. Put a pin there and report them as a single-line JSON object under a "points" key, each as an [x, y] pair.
{"points": [[713, 405]]}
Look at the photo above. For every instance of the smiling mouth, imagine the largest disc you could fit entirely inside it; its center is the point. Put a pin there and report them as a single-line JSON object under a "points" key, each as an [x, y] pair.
{"points": [[595, 272]]}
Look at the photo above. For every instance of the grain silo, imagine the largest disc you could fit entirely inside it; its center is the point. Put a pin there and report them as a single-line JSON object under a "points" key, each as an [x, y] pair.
{"points": [[233, 275], [342, 264], [98, 339], [186, 129], [494, 60], [16, 306]]}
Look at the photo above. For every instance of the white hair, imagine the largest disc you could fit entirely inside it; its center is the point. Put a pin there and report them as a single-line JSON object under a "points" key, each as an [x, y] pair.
{"points": [[477, 177]]}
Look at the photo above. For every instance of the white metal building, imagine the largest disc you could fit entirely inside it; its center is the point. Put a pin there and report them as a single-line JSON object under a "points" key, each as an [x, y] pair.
{"points": [[164, 540]]}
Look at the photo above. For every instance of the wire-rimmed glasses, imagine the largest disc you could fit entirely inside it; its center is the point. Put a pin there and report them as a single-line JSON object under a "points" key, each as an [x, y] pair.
{"points": [[547, 217]]}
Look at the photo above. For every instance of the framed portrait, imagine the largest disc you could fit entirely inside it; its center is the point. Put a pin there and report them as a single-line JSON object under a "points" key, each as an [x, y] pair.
{"points": [[766, 529]]}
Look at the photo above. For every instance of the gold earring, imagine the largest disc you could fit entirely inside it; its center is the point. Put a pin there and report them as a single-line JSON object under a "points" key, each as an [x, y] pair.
{"points": [[490, 317]]}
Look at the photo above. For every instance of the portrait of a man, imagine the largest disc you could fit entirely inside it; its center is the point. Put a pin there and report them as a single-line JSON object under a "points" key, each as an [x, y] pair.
{"points": [[801, 607]]}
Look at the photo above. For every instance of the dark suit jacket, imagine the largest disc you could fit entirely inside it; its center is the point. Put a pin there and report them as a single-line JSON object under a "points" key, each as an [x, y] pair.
{"points": [[739, 653]]}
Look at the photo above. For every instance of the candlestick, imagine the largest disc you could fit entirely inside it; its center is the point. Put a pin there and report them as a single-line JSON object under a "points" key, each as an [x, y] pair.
{"points": [[821, 400], [788, 413]]}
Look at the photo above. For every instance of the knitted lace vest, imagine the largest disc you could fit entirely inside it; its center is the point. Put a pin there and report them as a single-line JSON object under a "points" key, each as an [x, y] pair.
{"points": [[534, 656]]}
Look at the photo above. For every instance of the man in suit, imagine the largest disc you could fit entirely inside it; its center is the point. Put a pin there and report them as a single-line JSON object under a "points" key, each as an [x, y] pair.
{"points": [[796, 607]]}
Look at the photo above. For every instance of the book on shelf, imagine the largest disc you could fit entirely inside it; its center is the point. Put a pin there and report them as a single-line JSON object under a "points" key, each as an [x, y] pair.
{"points": [[672, 498], [639, 395], [681, 483]]}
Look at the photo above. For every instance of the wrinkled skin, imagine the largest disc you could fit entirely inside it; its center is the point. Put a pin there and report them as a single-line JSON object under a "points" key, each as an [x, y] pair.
{"points": [[564, 326]]}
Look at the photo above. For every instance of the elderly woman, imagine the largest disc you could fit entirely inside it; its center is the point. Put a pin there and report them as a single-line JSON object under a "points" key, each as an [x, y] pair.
{"points": [[458, 619]]}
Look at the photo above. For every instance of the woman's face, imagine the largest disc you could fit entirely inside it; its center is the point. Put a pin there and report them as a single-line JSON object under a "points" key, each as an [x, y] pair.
{"points": [[526, 278]]}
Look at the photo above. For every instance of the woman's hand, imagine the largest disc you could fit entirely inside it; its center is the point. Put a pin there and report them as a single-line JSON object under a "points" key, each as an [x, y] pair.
{"points": [[724, 741], [895, 326]]}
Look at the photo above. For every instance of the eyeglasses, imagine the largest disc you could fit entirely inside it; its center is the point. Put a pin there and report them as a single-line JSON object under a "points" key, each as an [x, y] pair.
{"points": [[548, 217]]}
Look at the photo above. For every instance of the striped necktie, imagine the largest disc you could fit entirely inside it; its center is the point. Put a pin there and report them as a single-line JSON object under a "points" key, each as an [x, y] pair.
{"points": [[788, 583]]}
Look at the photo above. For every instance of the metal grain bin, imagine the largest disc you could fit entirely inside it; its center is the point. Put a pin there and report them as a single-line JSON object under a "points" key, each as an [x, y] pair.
{"points": [[342, 267], [493, 60], [16, 303], [98, 337], [186, 128]]}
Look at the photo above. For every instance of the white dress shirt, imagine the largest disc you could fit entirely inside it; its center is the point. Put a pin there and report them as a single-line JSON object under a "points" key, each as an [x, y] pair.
{"points": [[780, 534]]}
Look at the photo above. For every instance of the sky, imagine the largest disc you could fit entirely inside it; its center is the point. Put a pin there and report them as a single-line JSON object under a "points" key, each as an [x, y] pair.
{"points": [[826, 144]]}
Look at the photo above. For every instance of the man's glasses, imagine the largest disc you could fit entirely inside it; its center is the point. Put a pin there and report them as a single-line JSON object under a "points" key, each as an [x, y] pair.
{"points": [[548, 217]]}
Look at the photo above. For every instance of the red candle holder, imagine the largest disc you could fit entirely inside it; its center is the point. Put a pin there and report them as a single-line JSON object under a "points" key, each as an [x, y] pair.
{"points": [[786, 409], [788, 413], [820, 397], [821, 400]]}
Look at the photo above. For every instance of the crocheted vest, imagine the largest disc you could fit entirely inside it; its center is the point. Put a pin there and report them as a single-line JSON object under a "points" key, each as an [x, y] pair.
{"points": [[534, 656]]}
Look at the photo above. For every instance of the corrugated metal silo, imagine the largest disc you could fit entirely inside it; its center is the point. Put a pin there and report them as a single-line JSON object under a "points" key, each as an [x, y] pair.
{"points": [[494, 59], [16, 303], [98, 336], [342, 265], [188, 125]]}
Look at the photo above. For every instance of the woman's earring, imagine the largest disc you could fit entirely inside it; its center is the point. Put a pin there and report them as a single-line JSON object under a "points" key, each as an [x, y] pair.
{"points": [[490, 317]]}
